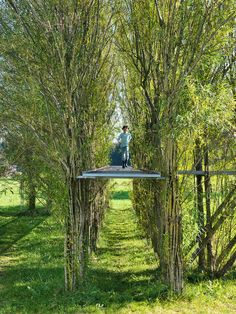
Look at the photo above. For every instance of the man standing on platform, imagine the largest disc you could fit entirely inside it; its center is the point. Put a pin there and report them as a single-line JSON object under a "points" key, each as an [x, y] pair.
{"points": [[124, 139]]}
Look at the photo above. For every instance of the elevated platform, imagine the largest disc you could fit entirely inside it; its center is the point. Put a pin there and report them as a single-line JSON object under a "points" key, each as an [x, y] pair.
{"points": [[130, 173], [119, 172]]}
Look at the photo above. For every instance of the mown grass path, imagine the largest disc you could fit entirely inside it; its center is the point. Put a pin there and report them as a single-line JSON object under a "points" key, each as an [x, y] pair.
{"points": [[124, 269]]}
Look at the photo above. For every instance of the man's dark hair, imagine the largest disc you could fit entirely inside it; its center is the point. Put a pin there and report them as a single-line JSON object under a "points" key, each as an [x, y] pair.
{"points": [[125, 127]]}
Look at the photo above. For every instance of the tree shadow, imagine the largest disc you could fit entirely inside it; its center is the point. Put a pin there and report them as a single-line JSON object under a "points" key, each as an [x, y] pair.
{"points": [[34, 286], [11, 211], [19, 210], [195, 276], [103, 287], [121, 287], [17, 228], [120, 195]]}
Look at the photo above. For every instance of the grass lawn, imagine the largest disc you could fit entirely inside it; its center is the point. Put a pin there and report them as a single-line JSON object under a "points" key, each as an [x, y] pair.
{"points": [[123, 277]]}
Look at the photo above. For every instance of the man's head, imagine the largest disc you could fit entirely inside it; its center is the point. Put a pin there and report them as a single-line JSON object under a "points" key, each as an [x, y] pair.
{"points": [[125, 128]]}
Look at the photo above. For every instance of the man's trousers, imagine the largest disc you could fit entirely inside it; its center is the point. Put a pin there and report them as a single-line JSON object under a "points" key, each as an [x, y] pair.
{"points": [[125, 153]]}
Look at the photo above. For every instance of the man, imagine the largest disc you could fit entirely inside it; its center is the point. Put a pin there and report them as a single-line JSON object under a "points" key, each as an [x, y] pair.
{"points": [[124, 139]]}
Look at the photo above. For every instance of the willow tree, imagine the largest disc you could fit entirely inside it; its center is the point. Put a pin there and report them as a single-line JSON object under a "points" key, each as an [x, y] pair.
{"points": [[162, 42], [57, 82], [215, 137], [211, 127]]}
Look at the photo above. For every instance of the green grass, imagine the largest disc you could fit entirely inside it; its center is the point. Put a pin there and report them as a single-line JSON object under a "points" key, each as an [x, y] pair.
{"points": [[122, 277], [15, 222]]}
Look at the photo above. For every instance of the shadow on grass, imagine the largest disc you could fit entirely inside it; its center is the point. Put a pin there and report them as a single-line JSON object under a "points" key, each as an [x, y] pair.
{"points": [[15, 229], [19, 210], [109, 289], [120, 195], [195, 276], [11, 211], [40, 290]]}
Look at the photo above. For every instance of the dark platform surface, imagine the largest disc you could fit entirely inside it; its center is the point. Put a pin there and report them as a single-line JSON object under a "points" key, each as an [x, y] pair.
{"points": [[119, 172]]}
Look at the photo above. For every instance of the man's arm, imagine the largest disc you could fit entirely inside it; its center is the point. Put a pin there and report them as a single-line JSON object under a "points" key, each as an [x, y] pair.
{"points": [[119, 138]]}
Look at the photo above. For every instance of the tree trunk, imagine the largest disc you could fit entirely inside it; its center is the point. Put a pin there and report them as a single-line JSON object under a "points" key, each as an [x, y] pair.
{"points": [[84, 226], [49, 203], [173, 226], [30, 179], [71, 248], [76, 234], [219, 211], [226, 251], [200, 207], [207, 185], [80, 226], [227, 266], [32, 198], [159, 232], [211, 232]]}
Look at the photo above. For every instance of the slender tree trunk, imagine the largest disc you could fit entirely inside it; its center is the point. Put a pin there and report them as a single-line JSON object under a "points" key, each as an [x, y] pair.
{"points": [[49, 203], [159, 233], [79, 226], [227, 266], [71, 247], [94, 228], [173, 226], [200, 207], [77, 234], [30, 177], [226, 251], [207, 184], [222, 209], [32, 197], [230, 206]]}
